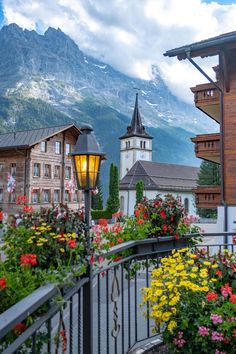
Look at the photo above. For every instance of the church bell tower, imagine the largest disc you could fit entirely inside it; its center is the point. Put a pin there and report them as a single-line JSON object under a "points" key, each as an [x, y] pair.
{"points": [[135, 144]]}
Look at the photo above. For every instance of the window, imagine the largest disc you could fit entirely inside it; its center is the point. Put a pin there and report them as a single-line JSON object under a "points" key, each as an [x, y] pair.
{"points": [[67, 196], [186, 205], [57, 171], [46, 196], [43, 146], [144, 144], [12, 197], [127, 144], [58, 147], [35, 196], [47, 171], [56, 195], [1, 195], [36, 169], [68, 149], [141, 144], [1, 167], [68, 172], [75, 196], [13, 169]]}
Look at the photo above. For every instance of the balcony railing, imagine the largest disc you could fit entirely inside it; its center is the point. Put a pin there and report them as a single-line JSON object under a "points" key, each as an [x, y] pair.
{"points": [[100, 313], [207, 147], [207, 196], [206, 98]]}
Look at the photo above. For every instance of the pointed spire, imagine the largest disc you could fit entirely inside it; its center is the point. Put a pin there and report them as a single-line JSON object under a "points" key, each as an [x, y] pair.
{"points": [[136, 128]]}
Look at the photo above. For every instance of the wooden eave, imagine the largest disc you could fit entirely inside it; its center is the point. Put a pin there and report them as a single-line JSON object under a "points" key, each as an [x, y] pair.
{"points": [[206, 137]]}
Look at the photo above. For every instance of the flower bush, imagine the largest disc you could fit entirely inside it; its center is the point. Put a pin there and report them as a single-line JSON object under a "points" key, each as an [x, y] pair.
{"points": [[166, 216], [192, 299]]}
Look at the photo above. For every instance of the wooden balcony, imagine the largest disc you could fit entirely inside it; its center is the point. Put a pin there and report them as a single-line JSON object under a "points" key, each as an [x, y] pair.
{"points": [[207, 147], [206, 98], [207, 196]]}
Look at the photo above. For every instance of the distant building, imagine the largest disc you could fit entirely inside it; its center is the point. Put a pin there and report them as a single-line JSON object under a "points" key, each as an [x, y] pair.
{"points": [[159, 178], [36, 163]]}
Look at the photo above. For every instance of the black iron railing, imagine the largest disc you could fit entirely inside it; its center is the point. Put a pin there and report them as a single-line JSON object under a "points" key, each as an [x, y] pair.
{"points": [[100, 313]]}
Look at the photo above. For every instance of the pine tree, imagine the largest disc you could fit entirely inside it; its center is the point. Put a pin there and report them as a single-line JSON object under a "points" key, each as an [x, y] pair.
{"points": [[113, 199], [209, 175], [97, 199], [139, 191]]}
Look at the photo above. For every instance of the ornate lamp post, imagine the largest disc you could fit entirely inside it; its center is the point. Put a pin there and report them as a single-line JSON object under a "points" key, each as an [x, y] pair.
{"points": [[87, 157]]}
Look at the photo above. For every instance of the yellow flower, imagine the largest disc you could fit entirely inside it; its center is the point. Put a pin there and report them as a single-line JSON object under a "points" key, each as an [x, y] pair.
{"points": [[191, 261], [206, 263], [39, 244], [166, 316], [215, 266], [62, 250], [172, 324]]}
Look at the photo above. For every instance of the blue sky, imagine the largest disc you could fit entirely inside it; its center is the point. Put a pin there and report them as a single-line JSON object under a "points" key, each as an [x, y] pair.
{"points": [[138, 30]]}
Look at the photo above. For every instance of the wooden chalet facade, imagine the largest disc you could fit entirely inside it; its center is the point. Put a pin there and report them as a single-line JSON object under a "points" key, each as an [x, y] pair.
{"points": [[39, 162], [216, 98]]}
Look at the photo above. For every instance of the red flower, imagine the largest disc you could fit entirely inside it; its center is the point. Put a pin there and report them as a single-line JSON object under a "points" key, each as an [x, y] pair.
{"points": [[117, 215], [100, 259], [117, 259], [233, 299], [137, 213], [212, 296], [62, 333], [28, 209], [226, 290], [3, 283], [21, 199], [103, 222], [91, 260], [28, 259], [19, 328], [164, 228], [172, 218], [71, 243], [145, 215], [176, 236], [219, 273], [234, 333], [163, 214], [119, 240], [140, 222]]}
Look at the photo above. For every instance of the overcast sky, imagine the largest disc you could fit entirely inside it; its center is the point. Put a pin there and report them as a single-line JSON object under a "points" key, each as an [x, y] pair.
{"points": [[132, 35]]}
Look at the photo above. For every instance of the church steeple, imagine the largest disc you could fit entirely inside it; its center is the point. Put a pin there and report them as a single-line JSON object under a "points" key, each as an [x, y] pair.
{"points": [[136, 128], [135, 144]]}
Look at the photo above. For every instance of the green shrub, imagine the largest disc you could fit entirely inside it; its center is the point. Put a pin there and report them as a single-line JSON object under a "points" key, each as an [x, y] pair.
{"points": [[101, 214]]}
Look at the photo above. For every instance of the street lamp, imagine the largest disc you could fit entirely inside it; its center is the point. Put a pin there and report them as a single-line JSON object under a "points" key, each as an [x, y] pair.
{"points": [[87, 157]]}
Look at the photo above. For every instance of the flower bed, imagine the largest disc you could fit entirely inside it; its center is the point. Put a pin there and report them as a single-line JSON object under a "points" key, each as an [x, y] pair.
{"points": [[192, 299]]}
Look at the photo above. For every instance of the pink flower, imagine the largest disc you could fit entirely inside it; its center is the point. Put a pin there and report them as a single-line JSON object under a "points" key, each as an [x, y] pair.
{"points": [[203, 331], [216, 318], [217, 336], [219, 352], [100, 259], [226, 290], [179, 341]]}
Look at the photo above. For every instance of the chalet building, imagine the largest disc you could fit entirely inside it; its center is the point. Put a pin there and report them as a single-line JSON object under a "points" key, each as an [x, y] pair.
{"points": [[159, 178], [36, 163], [216, 98]]}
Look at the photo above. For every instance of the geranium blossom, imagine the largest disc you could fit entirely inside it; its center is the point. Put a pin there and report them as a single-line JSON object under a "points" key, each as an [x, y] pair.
{"points": [[216, 318], [203, 331], [233, 299], [71, 243], [226, 290], [3, 283], [212, 296], [217, 336], [19, 328], [28, 259]]}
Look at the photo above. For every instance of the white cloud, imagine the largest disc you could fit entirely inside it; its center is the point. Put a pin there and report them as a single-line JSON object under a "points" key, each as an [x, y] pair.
{"points": [[132, 35]]}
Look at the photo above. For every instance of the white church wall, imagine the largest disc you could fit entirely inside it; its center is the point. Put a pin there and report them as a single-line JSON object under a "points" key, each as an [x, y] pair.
{"points": [[130, 199]]}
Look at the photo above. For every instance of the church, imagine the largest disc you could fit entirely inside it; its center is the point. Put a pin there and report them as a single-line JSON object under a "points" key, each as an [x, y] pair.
{"points": [[159, 178]]}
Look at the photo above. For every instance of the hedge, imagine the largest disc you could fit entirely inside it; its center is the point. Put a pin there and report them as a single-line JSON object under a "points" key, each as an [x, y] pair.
{"points": [[101, 214]]}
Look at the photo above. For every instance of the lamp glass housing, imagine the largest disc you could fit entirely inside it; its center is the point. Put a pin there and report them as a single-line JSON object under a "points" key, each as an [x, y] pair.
{"points": [[87, 168]]}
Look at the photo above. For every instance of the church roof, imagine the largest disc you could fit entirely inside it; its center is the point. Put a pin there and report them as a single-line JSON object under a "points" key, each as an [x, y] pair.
{"points": [[136, 128], [160, 176], [27, 138]]}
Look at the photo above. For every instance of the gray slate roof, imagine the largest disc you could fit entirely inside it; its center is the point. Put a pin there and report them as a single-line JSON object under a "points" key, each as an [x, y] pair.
{"points": [[27, 138], [160, 176]]}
